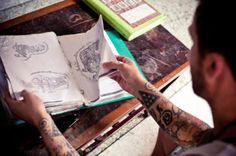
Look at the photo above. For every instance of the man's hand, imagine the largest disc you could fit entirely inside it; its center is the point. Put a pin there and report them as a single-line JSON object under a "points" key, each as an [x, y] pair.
{"points": [[30, 109], [128, 75]]}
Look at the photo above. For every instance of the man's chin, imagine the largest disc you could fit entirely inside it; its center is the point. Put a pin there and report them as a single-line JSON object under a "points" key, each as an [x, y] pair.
{"points": [[198, 86], [196, 89]]}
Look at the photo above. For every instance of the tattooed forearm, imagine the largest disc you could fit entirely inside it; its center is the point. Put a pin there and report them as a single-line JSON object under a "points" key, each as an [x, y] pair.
{"points": [[147, 98], [55, 142], [176, 111], [166, 118], [64, 148], [150, 87], [184, 128], [49, 128]]}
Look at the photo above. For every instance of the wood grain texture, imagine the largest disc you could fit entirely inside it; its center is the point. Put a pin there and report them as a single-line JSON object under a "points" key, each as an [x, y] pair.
{"points": [[35, 14]]}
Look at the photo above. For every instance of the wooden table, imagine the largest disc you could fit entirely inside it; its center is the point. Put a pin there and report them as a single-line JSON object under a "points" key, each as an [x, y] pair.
{"points": [[160, 55]]}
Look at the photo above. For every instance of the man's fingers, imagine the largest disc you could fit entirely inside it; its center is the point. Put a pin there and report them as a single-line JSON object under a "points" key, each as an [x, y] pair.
{"points": [[10, 102], [112, 65], [24, 93], [121, 59], [7, 98]]}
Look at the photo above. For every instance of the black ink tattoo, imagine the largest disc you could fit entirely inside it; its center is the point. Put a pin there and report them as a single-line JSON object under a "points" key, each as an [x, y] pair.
{"points": [[148, 98], [44, 126], [166, 117], [50, 130], [153, 114], [186, 129], [43, 123], [69, 150], [57, 150], [159, 109], [176, 111], [150, 87], [55, 130], [60, 145]]}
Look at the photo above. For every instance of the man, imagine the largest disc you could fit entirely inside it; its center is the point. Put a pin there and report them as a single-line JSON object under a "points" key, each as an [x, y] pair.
{"points": [[214, 78]]}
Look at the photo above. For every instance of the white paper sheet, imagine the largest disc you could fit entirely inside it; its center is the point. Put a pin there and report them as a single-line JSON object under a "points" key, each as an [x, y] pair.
{"points": [[65, 71], [36, 62], [86, 52]]}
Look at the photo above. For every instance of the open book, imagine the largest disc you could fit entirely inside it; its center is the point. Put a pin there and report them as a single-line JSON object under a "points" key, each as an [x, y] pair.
{"points": [[64, 71]]}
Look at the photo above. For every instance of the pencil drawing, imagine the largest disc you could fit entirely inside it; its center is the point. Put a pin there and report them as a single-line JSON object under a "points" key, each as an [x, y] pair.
{"points": [[25, 51], [4, 42], [48, 81], [88, 60]]}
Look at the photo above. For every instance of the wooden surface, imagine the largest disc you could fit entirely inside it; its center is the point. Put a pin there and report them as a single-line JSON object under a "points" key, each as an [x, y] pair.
{"points": [[160, 55]]}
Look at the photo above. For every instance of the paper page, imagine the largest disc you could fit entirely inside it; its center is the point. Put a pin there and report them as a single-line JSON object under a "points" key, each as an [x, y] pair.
{"points": [[109, 89], [36, 63], [86, 52]]}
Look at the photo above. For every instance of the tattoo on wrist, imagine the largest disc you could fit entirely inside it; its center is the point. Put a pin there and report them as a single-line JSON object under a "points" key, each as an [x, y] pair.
{"points": [[176, 111], [150, 87], [166, 116], [183, 127], [148, 99], [61, 145], [49, 128]]}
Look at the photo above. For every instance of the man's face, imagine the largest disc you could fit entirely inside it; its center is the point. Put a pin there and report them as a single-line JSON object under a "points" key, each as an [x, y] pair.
{"points": [[198, 81]]}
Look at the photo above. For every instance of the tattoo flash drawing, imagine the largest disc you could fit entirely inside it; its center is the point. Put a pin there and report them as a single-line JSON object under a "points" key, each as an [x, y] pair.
{"points": [[50, 130], [148, 99], [88, 60], [4, 43], [25, 51], [49, 81]]}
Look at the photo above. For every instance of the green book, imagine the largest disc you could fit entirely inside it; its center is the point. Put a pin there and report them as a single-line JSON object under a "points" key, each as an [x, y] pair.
{"points": [[131, 18]]}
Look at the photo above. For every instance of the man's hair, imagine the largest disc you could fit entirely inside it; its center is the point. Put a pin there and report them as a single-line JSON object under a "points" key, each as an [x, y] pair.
{"points": [[216, 29]]}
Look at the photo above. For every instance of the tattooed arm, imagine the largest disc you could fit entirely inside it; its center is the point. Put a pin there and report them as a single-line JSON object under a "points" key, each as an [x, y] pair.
{"points": [[184, 128], [32, 110], [54, 140]]}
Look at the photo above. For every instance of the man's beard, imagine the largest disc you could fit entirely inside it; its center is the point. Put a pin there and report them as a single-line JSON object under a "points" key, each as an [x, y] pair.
{"points": [[198, 82]]}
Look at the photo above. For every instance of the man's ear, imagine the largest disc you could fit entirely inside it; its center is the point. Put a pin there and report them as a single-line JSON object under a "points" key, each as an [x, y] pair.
{"points": [[213, 67]]}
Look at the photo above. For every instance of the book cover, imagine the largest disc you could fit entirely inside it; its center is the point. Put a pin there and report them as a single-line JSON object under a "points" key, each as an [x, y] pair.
{"points": [[131, 18]]}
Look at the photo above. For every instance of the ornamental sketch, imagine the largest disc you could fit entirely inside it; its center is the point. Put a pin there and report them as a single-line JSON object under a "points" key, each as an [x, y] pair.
{"points": [[4, 43], [88, 60], [25, 51], [48, 81]]}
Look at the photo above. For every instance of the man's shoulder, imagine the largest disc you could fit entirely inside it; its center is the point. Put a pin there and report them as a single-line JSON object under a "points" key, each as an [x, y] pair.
{"points": [[215, 148]]}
